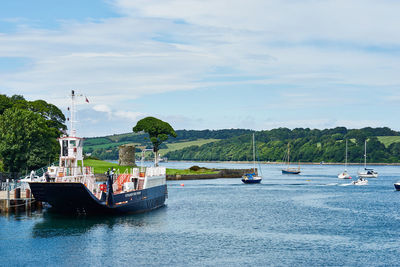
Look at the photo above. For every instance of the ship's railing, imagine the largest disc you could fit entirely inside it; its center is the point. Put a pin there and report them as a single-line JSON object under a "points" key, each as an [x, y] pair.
{"points": [[155, 171], [13, 184], [88, 180], [74, 171], [90, 183], [135, 172], [41, 171]]}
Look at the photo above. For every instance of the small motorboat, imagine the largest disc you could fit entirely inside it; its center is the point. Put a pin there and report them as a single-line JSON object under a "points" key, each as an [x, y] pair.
{"points": [[397, 186], [360, 181]]}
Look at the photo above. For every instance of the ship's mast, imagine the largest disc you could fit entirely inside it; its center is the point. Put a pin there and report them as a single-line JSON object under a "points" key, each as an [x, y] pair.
{"points": [[72, 130]]}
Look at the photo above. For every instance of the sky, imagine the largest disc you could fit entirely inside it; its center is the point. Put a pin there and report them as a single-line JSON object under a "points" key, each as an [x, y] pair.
{"points": [[206, 64]]}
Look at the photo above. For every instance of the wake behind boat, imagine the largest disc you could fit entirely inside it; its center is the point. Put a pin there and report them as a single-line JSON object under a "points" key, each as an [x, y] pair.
{"points": [[72, 187]]}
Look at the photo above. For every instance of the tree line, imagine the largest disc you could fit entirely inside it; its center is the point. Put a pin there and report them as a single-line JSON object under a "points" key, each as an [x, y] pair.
{"points": [[306, 145]]}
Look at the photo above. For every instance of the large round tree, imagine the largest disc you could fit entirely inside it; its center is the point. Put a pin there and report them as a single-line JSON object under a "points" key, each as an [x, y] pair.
{"points": [[158, 131]]}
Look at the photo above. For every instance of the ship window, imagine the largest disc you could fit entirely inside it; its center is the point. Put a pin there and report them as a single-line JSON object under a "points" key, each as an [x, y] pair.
{"points": [[64, 148], [72, 143]]}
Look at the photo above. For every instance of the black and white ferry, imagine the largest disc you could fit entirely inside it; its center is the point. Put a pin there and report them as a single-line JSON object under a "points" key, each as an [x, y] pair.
{"points": [[72, 187]]}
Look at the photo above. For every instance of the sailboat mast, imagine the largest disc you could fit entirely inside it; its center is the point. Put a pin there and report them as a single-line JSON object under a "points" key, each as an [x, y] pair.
{"points": [[288, 155], [345, 163], [365, 153], [254, 155]]}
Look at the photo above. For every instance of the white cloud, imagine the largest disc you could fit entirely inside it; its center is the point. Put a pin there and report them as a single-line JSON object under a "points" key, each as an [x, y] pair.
{"points": [[133, 116], [102, 108], [161, 46]]}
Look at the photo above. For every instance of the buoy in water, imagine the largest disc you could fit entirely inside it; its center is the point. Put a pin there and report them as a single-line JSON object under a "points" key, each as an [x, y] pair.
{"points": [[182, 184]]}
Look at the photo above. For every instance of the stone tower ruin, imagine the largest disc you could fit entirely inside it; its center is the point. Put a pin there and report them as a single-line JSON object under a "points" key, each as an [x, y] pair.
{"points": [[127, 155]]}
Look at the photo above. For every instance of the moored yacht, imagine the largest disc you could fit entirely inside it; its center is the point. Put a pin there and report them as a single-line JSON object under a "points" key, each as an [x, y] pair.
{"points": [[367, 172], [290, 170], [252, 178], [344, 174]]}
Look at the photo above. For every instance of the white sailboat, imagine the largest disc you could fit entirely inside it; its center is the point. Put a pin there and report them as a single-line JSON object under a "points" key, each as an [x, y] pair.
{"points": [[252, 178], [367, 172], [345, 174]]}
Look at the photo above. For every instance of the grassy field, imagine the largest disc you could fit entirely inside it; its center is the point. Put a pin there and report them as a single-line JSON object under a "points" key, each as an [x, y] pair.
{"points": [[388, 140], [189, 172], [180, 145], [101, 167]]}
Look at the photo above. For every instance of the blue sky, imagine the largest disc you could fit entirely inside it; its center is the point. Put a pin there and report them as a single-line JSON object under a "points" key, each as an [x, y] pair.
{"points": [[207, 64]]}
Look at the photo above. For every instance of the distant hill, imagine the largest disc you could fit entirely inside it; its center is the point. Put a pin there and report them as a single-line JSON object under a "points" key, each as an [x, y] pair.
{"points": [[106, 147], [306, 145]]}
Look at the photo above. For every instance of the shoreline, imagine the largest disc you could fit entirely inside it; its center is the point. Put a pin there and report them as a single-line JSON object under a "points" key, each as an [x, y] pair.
{"points": [[294, 164]]}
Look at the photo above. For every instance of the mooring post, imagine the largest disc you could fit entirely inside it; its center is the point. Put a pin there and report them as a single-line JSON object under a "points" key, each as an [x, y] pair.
{"points": [[8, 194]]}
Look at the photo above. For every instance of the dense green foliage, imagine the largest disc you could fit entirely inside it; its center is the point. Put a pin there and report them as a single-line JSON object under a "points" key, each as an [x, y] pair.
{"points": [[158, 131], [28, 132], [26, 141], [306, 145]]}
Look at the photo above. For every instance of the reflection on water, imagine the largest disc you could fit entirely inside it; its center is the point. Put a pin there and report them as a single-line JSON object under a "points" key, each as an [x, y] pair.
{"points": [[55, 224]]}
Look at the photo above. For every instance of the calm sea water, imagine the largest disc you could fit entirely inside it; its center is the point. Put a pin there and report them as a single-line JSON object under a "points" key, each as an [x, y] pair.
{"points": [[306, 220]]}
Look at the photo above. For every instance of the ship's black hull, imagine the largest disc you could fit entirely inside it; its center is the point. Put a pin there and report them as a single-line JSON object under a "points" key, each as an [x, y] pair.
{"points": [[76, 198]]}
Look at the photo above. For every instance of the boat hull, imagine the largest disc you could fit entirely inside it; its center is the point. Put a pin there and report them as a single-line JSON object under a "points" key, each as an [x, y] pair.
{"points": [[251, 181], [290, 172], [367, 175], [397, 186], [358, 182], [76, 198], [344, 175]]}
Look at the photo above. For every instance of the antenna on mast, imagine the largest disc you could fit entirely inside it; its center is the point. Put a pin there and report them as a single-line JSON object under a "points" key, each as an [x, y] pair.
{"points": [[72, 130]]}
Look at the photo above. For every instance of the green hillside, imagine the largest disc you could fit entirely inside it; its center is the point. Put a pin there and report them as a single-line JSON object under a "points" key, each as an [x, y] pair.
{"points": [[388, 140], [181, 145], [306, 145], [106, 147]]}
